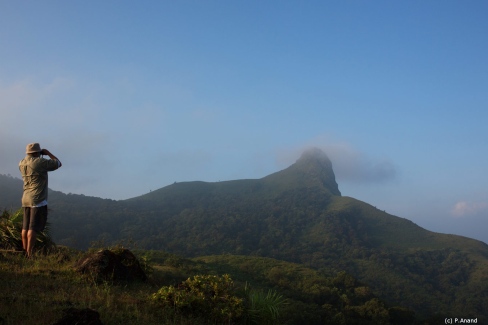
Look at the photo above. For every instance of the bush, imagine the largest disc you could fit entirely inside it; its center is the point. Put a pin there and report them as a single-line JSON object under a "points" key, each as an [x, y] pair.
{"points": [[209, 296]]}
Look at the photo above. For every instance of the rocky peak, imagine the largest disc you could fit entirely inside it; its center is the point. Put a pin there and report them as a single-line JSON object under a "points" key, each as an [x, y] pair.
{"points": [[316, 166], [312, 169]]}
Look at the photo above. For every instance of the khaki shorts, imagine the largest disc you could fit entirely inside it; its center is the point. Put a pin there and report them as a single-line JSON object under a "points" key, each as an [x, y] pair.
{"points": [[35, 218]]}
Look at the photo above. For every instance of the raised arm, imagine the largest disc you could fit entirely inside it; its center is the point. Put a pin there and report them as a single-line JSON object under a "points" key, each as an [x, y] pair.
{"points": [[47, 152]]}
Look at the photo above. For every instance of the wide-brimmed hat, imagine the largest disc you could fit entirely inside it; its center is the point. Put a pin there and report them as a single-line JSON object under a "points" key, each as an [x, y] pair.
{"points": [[33, 148]]}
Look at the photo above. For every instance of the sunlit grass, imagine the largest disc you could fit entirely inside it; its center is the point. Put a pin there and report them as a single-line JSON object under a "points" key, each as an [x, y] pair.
{"points": [[37, 290]]}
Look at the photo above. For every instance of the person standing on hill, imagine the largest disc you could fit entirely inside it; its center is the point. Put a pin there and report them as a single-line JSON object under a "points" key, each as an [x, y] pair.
{"points": [[33, 169]]}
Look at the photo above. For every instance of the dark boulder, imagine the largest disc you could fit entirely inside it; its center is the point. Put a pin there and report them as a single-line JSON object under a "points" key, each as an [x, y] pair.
{"points": [[118, 265]]}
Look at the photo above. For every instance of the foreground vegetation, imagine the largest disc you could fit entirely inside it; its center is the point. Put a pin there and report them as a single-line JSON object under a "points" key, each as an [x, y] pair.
{"points": [[183, 291], [36, 291]]}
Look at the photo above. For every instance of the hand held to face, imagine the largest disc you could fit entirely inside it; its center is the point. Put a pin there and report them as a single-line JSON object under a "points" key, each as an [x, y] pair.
{"points": [[48, 153]]}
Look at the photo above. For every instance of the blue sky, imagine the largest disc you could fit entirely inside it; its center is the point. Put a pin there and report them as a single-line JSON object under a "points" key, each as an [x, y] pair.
{"points": [[133, 96]]}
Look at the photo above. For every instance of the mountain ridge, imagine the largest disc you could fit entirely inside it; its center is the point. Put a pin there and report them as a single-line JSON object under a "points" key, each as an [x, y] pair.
{"points": [[312, 169], [298, 215]]}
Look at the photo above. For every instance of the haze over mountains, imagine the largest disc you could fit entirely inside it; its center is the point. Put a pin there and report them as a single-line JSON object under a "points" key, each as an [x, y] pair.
{"points": [[296, 215]]}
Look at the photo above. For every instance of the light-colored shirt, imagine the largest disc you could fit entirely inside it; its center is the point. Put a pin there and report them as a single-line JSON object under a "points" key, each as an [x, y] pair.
{"points": [[34, 173]]}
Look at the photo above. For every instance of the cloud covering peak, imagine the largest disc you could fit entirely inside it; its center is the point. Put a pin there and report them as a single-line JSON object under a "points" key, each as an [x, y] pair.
{"points": [[349, 164]]}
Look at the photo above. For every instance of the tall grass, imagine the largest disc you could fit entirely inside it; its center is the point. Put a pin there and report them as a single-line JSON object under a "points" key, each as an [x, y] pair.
{"points": [[37, 290]]}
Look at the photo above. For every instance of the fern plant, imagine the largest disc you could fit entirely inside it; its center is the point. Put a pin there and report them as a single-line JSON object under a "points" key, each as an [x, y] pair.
{"points": [[11, 232], [263, 307]]}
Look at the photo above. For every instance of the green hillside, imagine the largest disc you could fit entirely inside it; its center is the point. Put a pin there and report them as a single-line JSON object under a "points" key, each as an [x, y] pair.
{"points": [[296, 215], [10, 192]]}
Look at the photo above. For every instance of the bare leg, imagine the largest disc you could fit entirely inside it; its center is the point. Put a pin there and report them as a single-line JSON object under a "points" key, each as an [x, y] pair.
{"points": [[31, 241], [24, 239]]}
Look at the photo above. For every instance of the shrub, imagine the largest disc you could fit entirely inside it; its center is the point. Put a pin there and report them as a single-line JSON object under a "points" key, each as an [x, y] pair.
{"points": [[209, 296]]}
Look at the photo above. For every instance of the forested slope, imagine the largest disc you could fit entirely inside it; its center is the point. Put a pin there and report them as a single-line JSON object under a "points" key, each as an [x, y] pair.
{"points": [[296, 215]]}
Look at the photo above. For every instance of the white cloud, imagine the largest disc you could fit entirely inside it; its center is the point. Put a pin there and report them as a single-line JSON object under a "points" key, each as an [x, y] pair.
{"points": [[349, 164], [466, 209]]}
